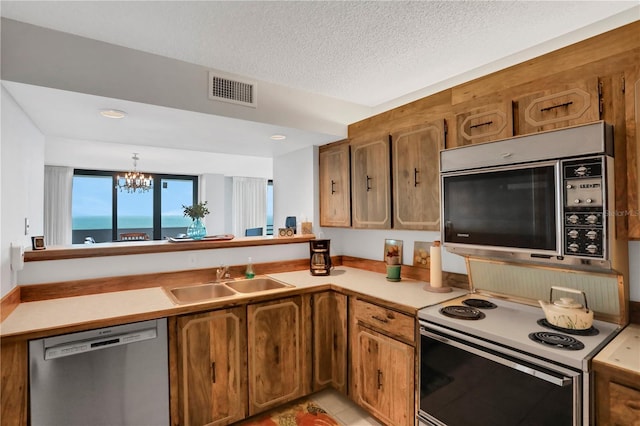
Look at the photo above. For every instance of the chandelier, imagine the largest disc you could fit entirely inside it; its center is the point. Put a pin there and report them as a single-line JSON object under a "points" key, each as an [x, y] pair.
{"points": [[134, 181]]}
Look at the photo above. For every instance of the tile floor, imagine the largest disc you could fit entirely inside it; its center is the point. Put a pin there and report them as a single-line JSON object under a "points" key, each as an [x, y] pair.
{"points": [[343, 410]]}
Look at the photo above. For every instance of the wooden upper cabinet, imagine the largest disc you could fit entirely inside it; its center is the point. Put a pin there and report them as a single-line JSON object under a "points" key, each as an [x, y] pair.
{"points": [[632, 108], [485, 123], [212, 365], [371, 182], [558, 106], [335, 186], [330, 341], [279, 352], [415, 165]]}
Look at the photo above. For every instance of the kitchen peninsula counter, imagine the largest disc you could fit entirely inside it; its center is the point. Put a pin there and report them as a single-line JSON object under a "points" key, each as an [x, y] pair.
{"points": [[61, 315], [624, 351]]}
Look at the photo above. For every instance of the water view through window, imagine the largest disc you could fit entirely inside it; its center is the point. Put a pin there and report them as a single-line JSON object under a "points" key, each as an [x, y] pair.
{"points": [[98, 208]]}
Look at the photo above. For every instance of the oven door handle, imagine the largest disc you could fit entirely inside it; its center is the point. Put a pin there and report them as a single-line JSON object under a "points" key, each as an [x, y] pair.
{"points": [[558, 381]]}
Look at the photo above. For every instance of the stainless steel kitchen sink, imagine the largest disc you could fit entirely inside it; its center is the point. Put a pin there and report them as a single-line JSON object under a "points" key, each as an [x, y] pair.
{"points": [[227, 289], [254, 285], [200, 293]]}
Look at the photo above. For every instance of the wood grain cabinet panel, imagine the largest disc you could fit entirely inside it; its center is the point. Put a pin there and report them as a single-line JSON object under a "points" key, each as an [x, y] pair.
{"points": [[383, 380], [487, 123], [335, 186], [212, 365], [617, 396], [371, 182], [559, 106], [279, 351], [14, 383], [632, 118], [416, 190], [330, 341]]}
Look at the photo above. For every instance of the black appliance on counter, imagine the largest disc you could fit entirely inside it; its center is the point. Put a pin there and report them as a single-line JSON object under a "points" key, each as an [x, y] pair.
{"points": [[320, 258]]}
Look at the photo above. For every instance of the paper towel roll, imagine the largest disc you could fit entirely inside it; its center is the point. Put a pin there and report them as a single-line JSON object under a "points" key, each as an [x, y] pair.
{"points": [[435, 265]]}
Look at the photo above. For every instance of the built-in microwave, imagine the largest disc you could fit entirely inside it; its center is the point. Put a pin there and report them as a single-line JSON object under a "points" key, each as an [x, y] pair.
{"points": [[544, 197]]}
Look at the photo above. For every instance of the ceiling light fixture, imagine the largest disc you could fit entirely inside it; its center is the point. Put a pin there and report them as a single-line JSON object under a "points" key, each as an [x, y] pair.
{"points": [[134, 181], [278, 137], [112, 113]]}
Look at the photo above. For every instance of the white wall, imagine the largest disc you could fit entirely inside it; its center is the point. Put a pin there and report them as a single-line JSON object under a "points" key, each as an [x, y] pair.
{"points": [[634, 270], [22, 183], [294, 183], [212, 190]]}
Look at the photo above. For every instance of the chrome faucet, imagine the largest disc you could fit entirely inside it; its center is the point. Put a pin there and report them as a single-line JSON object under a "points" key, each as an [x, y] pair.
{"points": [[222, 272]]}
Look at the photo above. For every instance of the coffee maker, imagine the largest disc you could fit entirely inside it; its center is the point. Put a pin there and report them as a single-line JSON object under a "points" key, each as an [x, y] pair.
{"points": [[320, 259]]}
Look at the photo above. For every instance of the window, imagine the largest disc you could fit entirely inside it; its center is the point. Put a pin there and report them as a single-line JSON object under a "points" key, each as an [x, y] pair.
{"points": [[101, 213]]}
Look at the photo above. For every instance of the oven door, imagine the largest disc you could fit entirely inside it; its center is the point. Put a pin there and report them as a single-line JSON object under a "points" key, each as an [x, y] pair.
{"points": [[465, 381]]}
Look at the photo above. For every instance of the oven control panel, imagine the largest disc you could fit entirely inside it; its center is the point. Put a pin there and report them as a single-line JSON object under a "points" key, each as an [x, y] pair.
{"points": [[584, 207]]}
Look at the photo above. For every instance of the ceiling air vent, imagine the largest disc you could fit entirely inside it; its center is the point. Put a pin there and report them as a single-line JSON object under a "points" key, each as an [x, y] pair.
{"points": [[234, 91]]}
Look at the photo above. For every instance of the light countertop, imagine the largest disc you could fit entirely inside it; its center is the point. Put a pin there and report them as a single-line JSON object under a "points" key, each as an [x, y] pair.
{"points": [[624, 350], [58, 313]]}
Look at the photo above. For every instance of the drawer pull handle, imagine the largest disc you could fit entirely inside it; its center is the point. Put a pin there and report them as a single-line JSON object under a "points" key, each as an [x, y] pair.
{"points": [[213, 372], [369, 188], [556, 106], [379, 379], [377, 318], [475, 126], [333, 191], [415, 177]]}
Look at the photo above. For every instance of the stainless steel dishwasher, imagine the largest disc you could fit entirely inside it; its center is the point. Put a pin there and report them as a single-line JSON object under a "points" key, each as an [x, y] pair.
{"points": [[112, 376]]}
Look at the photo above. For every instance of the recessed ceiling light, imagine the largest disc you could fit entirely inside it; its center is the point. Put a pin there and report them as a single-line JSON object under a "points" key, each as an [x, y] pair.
{"points": [[278, 137], [113, 113]]}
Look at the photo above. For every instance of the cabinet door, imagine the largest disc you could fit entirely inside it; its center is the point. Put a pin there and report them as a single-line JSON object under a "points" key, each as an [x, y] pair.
{"points": [[383, 380], [483, 124], [559, 106], [416, 190], [335, 194], [279, 368], [212, 367], [370, 183], [330, 341], [632, 108]]}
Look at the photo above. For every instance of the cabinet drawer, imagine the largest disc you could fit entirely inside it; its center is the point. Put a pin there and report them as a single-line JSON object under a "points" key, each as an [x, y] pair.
{"points": [[387, 320], [625, 405]]}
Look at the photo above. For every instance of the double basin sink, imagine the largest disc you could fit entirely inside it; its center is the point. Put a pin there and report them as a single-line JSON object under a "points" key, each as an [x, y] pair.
{"points": [[214, 291]]}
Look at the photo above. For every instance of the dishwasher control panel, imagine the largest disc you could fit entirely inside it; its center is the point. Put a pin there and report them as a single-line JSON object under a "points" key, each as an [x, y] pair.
{"points": [[77, 347]]}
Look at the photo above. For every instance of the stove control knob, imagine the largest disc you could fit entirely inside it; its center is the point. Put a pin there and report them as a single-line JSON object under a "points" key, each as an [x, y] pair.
{"points": [[580, 171], [592, 218], [588, 201], [573, 247], [592, 235], [576, 201], [573, 234], [569, 186], [573, 218], [592, 248]]}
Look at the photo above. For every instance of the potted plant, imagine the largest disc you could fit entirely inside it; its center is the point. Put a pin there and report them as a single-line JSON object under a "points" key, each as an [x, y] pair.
{"points": [[196, 212]]}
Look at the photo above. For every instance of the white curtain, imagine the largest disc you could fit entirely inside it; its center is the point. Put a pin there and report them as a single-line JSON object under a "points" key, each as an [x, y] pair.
{"points": [[249, 204], [58, 182]]}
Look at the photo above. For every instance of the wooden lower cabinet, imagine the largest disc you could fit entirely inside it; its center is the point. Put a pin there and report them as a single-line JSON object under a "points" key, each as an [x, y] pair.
{"points": [[212, 365], [330, 341], [382, 371], [14, 383], [278, 334], [617, 395]]}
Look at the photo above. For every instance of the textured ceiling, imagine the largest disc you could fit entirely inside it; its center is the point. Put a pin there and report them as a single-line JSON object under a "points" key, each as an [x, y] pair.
{"points": [[366, 52]]}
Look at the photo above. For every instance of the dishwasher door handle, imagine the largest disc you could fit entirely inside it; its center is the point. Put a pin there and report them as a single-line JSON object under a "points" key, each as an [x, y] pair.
{"points": [[96, 344]]}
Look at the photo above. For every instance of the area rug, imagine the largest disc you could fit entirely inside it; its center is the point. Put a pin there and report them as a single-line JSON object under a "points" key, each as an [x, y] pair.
{"points": [[306, 413]]}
